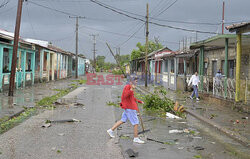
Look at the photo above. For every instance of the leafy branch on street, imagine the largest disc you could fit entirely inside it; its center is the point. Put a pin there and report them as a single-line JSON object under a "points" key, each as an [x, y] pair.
{"points": [[158, 102]]}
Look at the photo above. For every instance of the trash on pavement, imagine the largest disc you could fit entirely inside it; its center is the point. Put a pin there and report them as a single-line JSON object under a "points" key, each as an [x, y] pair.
{"points": [[199, 148], [64, 120], [46, 125], [161, 142], [124, 136], [131, 153], [180, 148], [175, 131], [197, 137], [182, 122], [172, 116], [186, 131], [61, 134]]}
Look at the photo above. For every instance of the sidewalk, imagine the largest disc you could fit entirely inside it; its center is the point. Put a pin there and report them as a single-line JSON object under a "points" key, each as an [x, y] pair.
{"points": [[215, 113], [29, 96]]}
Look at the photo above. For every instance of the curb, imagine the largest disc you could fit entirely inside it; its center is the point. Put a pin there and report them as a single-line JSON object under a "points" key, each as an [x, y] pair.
{"points": [[242, 140], [13, 115]]}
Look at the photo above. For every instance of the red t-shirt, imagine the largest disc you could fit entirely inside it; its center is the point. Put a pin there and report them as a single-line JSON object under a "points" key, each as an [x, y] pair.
{"points": [[128, 101]]}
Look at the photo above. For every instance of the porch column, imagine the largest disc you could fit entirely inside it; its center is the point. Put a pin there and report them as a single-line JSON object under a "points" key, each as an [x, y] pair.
{"points": [[1, 68], [57, 65], [238, 61], [201, 67], [48, 65], [185, 74], [67, 59], [23, 65], [53, 67], [226, 66], [33, 66], [60, 65], [176, 60], [10, 58], [41, 65]]}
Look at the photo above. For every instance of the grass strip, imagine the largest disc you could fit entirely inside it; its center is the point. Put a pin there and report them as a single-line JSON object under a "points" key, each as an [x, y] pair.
{"points": [[6, 125]]}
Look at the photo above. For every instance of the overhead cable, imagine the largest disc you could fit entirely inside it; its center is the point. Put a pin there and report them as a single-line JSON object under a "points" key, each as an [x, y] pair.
{"points": [[162, 25]]}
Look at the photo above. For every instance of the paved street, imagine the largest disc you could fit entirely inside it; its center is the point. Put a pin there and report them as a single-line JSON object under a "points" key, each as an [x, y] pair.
{"points": [[88, 139], [83, 140]]}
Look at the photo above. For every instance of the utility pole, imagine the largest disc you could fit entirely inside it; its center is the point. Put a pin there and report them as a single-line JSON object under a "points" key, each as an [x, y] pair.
{"points": [[76, 17], [15, 48], [118, 63], [146, 51], [94, 48], [223, 17]]}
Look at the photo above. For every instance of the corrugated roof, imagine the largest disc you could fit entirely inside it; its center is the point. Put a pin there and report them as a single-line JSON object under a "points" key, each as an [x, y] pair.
{"points": [[234, 27]]}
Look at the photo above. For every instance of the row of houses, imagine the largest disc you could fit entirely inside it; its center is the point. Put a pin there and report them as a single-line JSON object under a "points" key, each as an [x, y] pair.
{"points": [[37, 61], [227, 53]]}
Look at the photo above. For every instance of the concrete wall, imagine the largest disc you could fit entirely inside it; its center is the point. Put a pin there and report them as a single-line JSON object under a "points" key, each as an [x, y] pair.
{"points": [[217, 55]]}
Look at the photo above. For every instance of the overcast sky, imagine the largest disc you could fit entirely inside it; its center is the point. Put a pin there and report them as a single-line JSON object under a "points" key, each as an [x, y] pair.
{"points": [[44, 24]]}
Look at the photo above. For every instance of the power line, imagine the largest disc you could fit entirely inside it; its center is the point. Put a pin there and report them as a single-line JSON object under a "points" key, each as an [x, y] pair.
{"points": [[56, 10], [27, 9], [110, 32], [167, 8], [132, 35], [162, 25], [120, 45], [8, 9], [5, 2]]}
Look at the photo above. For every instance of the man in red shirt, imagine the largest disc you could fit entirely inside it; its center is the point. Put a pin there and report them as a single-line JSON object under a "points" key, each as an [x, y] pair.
{"points": [[129, 104]]}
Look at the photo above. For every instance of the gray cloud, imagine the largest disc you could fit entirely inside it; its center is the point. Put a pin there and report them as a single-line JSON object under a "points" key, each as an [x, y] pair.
{"points": [[44, 24]]}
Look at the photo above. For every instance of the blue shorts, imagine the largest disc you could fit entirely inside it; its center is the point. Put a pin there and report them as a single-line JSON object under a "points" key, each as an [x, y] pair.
{"points": [[131, 115]]}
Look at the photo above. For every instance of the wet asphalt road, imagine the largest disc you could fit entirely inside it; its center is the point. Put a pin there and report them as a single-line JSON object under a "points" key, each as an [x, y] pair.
{"points": [[84, 140], [88, 139]]}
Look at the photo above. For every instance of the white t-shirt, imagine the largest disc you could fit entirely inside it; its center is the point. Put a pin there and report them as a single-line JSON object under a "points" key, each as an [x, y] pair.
{"points": [[194, 80]]}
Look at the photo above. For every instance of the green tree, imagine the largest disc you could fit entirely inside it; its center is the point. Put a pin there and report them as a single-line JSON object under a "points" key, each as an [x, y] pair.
{"points": [[140, 51], [123, 59], [100, 61]]}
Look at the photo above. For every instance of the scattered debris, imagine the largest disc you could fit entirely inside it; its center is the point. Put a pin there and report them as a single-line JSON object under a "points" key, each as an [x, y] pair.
{"points": [[125, 137], [212, 116], [61, 134], [131, 153], [149, 139], [63, 121], [58, 151], [144, 131], [53, 148], [175, 131], [169, 143], [162, 148], [244, 117], [180, 148], [199, 148], [182, 122], [197, 137], [46, 125], [197, 156], [186, 131], [212, 142], [109, 103], [78, 104], [172, 116], [150, 119], [58, 103]]}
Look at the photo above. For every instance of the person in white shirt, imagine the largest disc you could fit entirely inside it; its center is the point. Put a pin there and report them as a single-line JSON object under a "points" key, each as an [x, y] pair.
{"points": [[195, 82]]}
